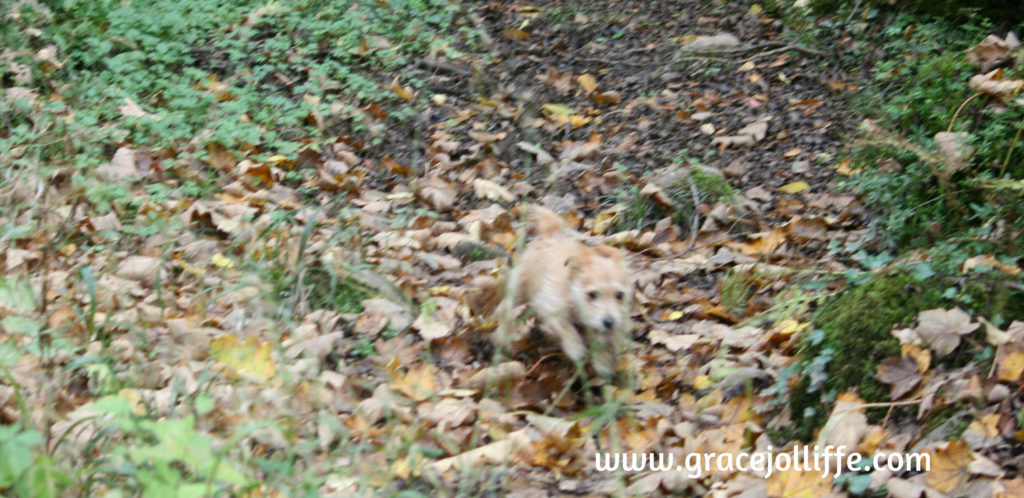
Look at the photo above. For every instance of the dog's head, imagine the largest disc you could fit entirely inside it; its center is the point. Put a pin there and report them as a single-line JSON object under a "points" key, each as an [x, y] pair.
{"points": [[599, 287]]}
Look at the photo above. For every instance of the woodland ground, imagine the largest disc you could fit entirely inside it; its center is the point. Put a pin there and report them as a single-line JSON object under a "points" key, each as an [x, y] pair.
{"points": [[259, 255]]}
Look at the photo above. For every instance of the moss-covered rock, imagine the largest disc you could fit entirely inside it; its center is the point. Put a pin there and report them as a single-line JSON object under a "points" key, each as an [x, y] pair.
{"points": [[853, 335], [856, 330], [642, 211]]}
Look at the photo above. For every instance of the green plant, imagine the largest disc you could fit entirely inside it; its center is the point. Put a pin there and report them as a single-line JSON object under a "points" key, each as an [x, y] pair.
{"points": [[679, 186], [166, 457], [24, 467], [735, 290]]}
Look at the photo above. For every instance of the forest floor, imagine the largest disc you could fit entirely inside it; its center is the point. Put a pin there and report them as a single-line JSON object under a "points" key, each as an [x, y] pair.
{"points": [[321, 319]]}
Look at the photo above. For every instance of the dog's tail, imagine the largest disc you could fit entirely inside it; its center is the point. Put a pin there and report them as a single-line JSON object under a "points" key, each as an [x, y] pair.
{"points": [[545, 222]]}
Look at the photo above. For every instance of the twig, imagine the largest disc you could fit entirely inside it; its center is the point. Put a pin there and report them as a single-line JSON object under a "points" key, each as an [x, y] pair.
{"points": [[958, 109], [798, 48], [753, 48]]}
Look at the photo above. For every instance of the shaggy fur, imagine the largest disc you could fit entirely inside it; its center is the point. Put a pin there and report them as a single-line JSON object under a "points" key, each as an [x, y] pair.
{"points": [[573, 288]]}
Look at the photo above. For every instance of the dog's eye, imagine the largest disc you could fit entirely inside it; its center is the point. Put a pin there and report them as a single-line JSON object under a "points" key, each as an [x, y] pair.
{"points": [[592, 295], [619, 295]]}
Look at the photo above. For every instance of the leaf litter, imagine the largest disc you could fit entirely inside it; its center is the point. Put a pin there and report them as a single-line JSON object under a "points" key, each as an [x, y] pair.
{"points": [[420, 244]]}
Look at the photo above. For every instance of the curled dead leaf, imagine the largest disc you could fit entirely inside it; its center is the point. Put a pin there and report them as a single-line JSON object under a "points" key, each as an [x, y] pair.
{"points": [[486, 189], [993, 52], [991, 83]]}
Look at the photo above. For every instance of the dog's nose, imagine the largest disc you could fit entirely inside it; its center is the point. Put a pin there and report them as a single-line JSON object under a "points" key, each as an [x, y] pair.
{"points": [[608, 322]]}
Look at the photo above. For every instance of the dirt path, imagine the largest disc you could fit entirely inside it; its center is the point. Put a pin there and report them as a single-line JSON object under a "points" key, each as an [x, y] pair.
{"points": [[593, 110]]}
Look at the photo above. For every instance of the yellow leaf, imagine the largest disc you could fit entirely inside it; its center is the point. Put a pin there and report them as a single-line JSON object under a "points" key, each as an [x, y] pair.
{"points": [[403, 92], [795, 187], [1011, 364], [843, 168], [222, 261], [790, 327], [418, 384], [488, 102], [135, 398], [702, 382], [949, 466], [557, 109], [251, 357], [578, 121], [675, 315], [277, 158], [587, 82], [798, 482]]}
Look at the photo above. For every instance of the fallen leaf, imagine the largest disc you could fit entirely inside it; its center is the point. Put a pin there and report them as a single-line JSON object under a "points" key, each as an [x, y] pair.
{"points": [[251, 357], [587, 82], [954, 149], [132, 110], [991, 83], [1011, 362], [993, 52], [900, 373], [795, 187], [486, 189], [799, 483], [404, 92], [847, 423], [418, 383], [515, 34], [941, 329], [949, 466]]}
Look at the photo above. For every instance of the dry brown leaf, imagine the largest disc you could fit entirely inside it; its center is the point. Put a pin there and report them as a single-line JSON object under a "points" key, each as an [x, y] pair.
{"points": [[20, 93], [132, 110], [487, 138], [900, 373], [437, 193], [587, 82], [941, 329], [949, 466], [993, 52], [498, 375], [121, 167], [606, 98], [502, 452], [404, 92], [142, 269], [905, 488], [748, 135], [672, 342], [799, 483], [991, 83], [418, 383], [1011, 362], [954, 149], [450, 412], [515, 34], [486, 189], [990, 261], [846, 424]]}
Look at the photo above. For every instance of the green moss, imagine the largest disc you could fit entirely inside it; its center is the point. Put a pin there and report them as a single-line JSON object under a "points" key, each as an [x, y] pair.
{"points": [[853, 335], [856, 330], [643, 212]]}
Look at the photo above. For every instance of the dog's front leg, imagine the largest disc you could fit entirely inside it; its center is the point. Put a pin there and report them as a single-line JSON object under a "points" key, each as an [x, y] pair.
{"points": [[572, 344]]}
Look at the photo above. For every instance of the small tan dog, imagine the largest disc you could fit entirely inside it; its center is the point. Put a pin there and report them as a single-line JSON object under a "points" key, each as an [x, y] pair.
{"points": [[572, 288]]}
